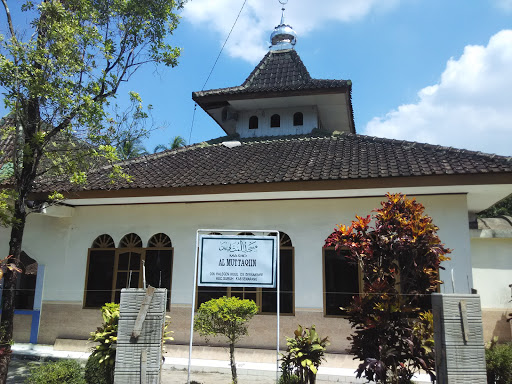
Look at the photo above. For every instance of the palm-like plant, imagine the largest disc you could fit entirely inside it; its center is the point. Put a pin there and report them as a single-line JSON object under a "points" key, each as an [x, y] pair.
{"points": [[176, 142], [129, 148]]}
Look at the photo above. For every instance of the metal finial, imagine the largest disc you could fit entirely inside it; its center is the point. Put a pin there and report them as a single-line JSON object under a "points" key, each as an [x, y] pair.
{"points": [[283, 3], [283, 37]]}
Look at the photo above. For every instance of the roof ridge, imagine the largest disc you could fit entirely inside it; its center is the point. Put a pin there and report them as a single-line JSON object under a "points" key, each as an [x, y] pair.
{"points": [[289, 138], [295, 61], [257, 69], [164, 153], [150, 156]]}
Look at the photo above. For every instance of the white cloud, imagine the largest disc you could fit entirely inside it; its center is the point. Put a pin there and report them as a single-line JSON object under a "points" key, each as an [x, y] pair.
{"points": [[249, 40], [470, 107]]}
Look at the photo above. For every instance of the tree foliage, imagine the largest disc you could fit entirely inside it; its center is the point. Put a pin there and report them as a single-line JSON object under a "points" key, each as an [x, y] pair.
{"points": [[498, 359], [129, 148], [57, 372], [228, 317], [106, 335], [400, 257], [58, 74], [176, 142], [501, 208]]}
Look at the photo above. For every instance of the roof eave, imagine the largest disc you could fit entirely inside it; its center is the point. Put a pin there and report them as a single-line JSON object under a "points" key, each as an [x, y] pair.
{"points": [[215, 100], [446, 180]]}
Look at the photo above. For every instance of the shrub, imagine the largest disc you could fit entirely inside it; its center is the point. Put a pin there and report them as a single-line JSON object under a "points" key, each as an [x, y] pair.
{"points": [[96, 373], [57, 372], [400, 258], [289, 379], [498, 358], [304, 354], [106, 336], [227, 316]]}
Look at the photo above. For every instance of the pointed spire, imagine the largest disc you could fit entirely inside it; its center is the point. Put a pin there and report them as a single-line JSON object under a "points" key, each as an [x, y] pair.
{"points": [[283, 36]]}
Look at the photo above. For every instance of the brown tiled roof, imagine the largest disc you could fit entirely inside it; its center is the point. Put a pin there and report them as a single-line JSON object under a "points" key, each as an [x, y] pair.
{"points": [[293, 158], [6, 147], [278, 71]]}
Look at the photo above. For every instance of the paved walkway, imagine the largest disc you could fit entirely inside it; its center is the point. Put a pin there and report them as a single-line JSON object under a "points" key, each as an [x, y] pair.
{"points": [[209, 365]]}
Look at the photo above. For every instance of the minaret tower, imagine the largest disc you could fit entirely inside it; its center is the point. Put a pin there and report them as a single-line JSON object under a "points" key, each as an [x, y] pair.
{"points": [[280, 98]]}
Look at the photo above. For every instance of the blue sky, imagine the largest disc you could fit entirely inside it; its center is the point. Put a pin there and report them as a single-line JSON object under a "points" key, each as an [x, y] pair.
{"points": [[433, 71]]}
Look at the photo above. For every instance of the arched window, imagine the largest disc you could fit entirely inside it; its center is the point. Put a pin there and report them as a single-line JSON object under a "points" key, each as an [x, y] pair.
{"points": [[100, 272], [159, 260], [129, 264], [160, 240], [287, 286], [253, 122], [265, 298], [342, 281], [298, 119], [103, 241], [275, 121], [130, 240], [111, 269]]}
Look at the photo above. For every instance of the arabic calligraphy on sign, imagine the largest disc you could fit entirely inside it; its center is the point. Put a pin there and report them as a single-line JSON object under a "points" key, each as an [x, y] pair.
{"points": [[245, 246]]}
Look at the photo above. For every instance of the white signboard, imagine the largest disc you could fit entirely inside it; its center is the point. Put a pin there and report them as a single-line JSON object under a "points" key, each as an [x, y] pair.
{"points": [[229, 261]]}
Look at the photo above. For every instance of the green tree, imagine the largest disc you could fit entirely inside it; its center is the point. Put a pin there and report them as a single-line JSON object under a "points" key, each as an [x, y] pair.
{"points": [[129, 148], [400, 259], [227, 316], [501, 208], [177, 142], [58, 75], [129, 126]]}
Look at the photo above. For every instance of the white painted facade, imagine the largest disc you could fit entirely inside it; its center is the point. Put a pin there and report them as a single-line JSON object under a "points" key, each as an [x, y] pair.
{"points": [[492, 271], [492, 275], [310, 122], [62, 243]]}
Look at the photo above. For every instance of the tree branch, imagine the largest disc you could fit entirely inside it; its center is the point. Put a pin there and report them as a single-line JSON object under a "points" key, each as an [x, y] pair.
{"points": [[9, 19]]}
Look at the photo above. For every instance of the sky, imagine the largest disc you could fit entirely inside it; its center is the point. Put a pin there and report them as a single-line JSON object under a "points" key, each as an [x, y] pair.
{"points": [[433, 71]]}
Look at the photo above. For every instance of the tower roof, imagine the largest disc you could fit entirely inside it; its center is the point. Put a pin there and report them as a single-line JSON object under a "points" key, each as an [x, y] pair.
{"points": [[278, 72], [281, 80]]}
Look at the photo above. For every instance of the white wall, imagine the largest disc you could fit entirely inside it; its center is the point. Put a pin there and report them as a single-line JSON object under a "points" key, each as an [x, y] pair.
{"points": [[61, 244], [450, 214], [492, 271], [310, 121]]}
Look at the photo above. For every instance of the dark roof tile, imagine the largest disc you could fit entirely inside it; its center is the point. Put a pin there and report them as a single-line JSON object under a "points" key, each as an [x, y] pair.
{"points": [[278, 71], [292, 158]]}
